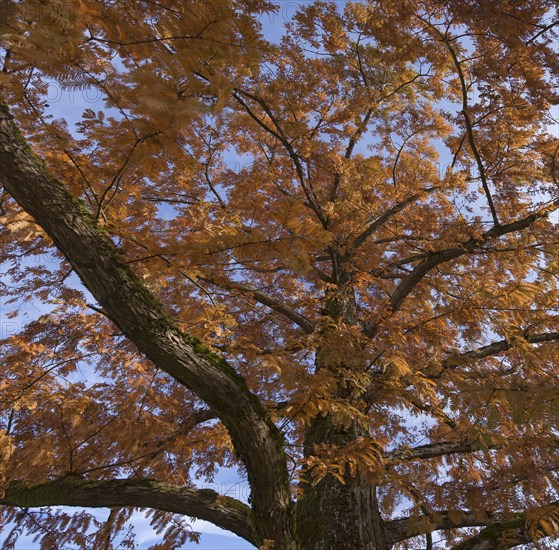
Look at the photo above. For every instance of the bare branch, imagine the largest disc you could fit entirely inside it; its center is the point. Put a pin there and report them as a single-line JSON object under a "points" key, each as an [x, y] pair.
{"points": [[434, 450], [495, 348], [266, 300], [401, 529]]}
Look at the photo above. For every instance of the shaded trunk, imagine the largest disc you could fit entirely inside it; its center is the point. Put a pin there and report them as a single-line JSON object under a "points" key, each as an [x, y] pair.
{"points": [[332, 515]]}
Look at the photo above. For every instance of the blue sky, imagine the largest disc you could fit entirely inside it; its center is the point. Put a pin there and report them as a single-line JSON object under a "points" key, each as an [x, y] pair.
{"points": [[212, 538]]}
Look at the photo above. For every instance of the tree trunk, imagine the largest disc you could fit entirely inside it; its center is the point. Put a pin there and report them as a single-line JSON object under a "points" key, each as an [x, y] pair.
{"points": [[332, 515]]}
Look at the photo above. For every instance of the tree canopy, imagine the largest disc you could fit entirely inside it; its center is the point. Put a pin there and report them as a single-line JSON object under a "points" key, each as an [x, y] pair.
{"points": [[328, 259]]}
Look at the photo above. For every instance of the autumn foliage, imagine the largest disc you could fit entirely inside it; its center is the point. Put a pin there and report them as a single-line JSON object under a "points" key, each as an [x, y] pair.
{"points": [[328, 258]]}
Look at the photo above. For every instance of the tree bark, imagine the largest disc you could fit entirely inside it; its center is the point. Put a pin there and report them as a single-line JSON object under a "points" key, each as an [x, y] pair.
{"points": [[225, 512], [332, 514]]}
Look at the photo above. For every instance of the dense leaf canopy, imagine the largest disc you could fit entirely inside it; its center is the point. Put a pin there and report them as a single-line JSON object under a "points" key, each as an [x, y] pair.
{"points": [[358, 220]]}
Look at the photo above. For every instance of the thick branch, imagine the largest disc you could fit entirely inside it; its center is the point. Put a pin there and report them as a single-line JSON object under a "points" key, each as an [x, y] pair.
{"points": [[434, 450], [436, 258], [143, 319], [225, 512], [495, 348], [406, 528], [499, 532], [524, 528], [506, 534], [433, 259]]}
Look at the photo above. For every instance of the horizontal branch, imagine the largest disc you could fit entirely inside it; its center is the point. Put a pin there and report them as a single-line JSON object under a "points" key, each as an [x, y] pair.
{"points": [[405, 528], [525, 528], [495, 348], [506, 534], [225, 512], [500, 531], [435, 450], [200, 416]]}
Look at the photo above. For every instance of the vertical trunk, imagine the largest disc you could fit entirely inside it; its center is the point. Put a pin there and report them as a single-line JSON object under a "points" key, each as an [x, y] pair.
{"points": [[332, 515]]}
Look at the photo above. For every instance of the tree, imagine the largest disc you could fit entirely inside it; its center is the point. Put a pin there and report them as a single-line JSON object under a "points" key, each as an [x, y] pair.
{"points": [[363, 316]]}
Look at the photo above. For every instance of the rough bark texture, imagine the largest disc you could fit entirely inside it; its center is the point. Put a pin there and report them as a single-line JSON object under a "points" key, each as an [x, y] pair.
{"points": [[227, 513], [145, 322], [499, 537], [335, 515], [330, 514], [401, 529]]}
